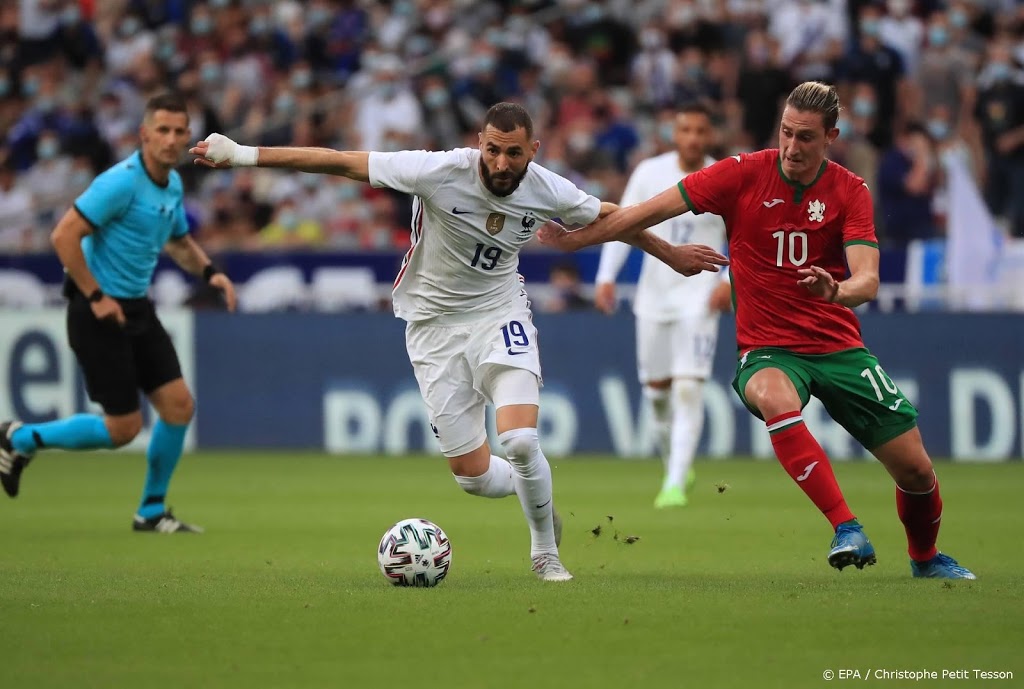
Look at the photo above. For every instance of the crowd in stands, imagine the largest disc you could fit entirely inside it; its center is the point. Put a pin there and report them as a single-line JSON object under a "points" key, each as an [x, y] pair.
{"points": [[920, 79]]}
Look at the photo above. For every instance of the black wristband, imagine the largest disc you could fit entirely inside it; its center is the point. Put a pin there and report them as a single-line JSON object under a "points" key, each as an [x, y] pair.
{"points": [[209, 271], [96, 295]]}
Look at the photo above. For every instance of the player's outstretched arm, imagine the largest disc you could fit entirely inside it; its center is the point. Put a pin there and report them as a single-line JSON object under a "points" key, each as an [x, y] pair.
{"points": [[220, 152], [862, 285], [620, 225], [685, 259]]}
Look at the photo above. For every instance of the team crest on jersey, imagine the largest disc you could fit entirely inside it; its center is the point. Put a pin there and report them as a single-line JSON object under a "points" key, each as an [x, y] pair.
{"points": [[529, 220], [495, 221], [816, 210]]}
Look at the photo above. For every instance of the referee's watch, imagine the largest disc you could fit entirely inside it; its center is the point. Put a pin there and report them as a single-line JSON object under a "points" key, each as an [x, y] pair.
{"points": [[96, 295]]}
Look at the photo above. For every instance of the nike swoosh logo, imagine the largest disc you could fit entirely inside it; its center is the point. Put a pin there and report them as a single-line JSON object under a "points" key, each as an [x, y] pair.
{"points": [[807, 471], [773, 202], [515, 352], [456, 211], [544, 505], [896, 404]]}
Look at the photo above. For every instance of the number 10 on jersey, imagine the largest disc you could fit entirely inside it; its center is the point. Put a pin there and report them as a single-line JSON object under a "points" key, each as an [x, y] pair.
{"points": [[797, 242]]}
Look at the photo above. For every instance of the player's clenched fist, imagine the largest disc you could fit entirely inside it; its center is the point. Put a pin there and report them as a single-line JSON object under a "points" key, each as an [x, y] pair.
{"points": [[218, 151]]}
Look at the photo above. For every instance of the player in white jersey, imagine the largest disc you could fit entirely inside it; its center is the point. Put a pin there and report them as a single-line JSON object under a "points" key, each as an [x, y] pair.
{"points": [[676, 321], [470, 334]]}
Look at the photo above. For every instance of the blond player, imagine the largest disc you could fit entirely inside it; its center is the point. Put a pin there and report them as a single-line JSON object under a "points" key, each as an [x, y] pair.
{"points": [[470, 334], [676, 316]]}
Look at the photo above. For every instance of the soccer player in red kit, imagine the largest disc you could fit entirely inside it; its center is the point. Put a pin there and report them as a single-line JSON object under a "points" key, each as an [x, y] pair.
{"points": [[795, 221]]}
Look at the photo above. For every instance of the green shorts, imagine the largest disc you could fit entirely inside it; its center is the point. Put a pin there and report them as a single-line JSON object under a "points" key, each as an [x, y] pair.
{"points": [[851, 384]]}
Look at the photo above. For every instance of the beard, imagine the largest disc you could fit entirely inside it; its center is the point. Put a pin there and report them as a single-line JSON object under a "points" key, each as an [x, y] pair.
{"points": [[509, 178]]}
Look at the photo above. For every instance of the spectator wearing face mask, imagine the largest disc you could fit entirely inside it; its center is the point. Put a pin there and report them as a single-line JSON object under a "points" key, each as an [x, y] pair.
{"points": [[945, 73], [903, 31], [876, 63], [763, 84], [1000, 114], [291, 227], [389, 117], [907, 180], [49, 180]]}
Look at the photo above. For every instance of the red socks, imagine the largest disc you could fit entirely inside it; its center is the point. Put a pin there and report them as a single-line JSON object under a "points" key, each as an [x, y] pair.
{"points": [[920, 514], [804, 460]]}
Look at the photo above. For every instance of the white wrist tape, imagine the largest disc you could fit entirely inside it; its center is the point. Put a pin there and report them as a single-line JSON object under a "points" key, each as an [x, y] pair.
{"points": [[245, 156]]}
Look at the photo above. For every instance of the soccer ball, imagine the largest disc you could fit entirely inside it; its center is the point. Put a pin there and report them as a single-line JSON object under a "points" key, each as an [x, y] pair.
{"points": [[414, 552]]}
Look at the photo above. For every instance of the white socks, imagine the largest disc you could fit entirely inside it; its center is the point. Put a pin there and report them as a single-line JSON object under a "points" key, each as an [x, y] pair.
{"points": [[661, 404], [532, 485], [496, 482], [687, 425]]}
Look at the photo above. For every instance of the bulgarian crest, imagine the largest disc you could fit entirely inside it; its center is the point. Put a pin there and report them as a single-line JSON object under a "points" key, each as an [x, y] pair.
{"points": [[816, 211]]}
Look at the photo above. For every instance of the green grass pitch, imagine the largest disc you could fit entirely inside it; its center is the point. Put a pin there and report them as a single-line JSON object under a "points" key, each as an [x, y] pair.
{"points": [[283, 590]]}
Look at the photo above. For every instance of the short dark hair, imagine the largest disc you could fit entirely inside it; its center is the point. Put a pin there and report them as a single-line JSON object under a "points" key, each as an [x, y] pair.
{"points": [[171, 102], [694, 108], [508, 117], [819, 97]]}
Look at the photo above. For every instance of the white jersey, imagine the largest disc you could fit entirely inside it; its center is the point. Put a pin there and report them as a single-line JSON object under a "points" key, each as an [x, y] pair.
{"points": [[663, 294], [466, 240]]}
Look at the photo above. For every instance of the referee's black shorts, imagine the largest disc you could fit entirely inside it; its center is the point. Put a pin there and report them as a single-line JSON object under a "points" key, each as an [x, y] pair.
{"points": [[118, 361]]}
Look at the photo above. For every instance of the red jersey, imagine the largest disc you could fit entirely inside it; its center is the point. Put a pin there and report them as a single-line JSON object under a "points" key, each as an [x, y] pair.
{"points": [[775, 227]]}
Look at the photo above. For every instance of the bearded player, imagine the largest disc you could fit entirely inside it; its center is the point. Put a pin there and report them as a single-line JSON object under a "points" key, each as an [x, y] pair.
{"points": [[795, 221], [470, 333]]}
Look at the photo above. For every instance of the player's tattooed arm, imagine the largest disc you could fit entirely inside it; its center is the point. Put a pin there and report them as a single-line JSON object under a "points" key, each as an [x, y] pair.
{"points": [[218, 151], [859, 288]]}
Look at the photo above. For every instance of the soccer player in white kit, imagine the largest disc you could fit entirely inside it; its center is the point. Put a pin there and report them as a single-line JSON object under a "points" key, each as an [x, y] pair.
{"points": [[470, 333], [676, 316]]}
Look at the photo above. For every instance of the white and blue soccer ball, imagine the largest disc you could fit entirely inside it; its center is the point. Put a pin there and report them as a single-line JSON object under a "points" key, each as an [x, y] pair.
{"points": [[415, 552]]}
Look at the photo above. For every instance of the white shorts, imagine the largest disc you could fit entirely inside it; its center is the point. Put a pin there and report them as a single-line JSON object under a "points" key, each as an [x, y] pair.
{"points": [[683, 348], [454, 363]]}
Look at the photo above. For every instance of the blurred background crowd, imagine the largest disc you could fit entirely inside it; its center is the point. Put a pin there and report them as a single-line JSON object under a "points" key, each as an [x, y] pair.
{"points": [[920, 80]]}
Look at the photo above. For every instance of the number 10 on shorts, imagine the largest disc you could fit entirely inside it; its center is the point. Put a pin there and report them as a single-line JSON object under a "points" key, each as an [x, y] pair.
{"points": [[877, 375]]}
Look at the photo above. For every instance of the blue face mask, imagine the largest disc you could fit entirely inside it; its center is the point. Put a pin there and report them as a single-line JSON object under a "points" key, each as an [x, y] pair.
{"points": [[201, 25], [958, 18], [130, 26], [435, 98], [666, 132], [862, 107], [210, 73], [47, 149], [869, 27], [289, 220], [30, 86], [938, 129], [302, 79], [284, 103], [346, 192], [999, 71], [5, 87], [259, 26], [938, 36], [165, 51], [70, 15], [318, 16], [80, 179]]}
